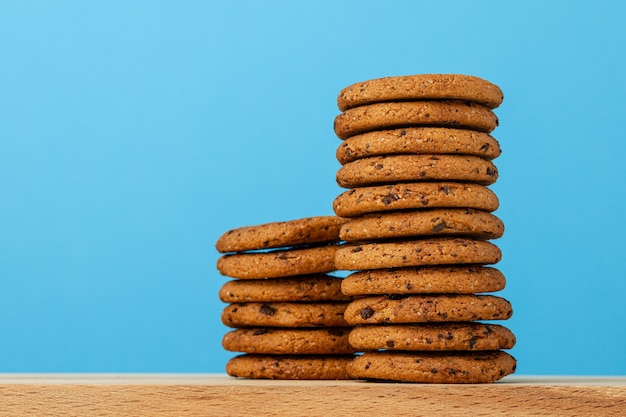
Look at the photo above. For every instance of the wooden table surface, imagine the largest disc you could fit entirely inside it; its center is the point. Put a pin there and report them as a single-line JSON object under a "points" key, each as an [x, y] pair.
{"points": [[37, 395]]}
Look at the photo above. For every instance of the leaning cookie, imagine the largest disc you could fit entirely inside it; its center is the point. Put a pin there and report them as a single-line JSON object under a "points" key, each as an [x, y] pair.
{"points": [[295, 314], [421, 87], [327, 341], [436, 222], [382, 116], [432, 337], [392, 169], [462, 279], [302, 288], [427, 309], [278, 263], [296, 367], [418, 140], [433, 367], [419, 195], [304, 231], [422, 252]]}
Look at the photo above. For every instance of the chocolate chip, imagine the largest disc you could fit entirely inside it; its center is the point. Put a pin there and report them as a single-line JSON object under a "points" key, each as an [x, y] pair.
{"points": [[403, 132], [390, 343], [472, 342], [267, 310], [439, 227], [445, 189], [357, 249], [421, 174], [408, 286], [379, 166], [260, 332], [434, 370], [485, 147], [491, 171], [366, 313]]}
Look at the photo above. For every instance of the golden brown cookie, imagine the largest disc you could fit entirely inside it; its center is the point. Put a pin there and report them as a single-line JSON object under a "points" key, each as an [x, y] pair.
{"points": [[427, 309], [436, 222], [421, 195], [278, 263], [304, 231], [382, 116], [421, 87], [462, 279], [432, 337], [323, 367], [285, 315], [423, 252], [330, 341], [378, 170], [302, 288], [418, 140], [433, 367]]}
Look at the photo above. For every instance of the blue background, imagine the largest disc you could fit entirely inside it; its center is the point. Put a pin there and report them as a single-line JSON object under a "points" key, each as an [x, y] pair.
{"points": [[132, 134]]}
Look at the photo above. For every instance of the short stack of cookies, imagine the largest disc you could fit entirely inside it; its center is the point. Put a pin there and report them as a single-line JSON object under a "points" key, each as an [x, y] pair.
{"points": [[417, 159], [286, 309]]}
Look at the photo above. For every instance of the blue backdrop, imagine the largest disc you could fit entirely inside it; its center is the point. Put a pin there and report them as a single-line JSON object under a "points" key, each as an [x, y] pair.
{"points": [[132, 134]]}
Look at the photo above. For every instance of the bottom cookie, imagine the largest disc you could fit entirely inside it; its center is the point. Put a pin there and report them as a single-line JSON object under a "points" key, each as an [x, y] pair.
{"points": [[434, 368], [289, 366]]}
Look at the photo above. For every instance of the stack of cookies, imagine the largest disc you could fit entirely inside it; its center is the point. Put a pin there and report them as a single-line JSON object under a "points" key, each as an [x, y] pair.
{"points": [[286, 309], [417, 159]]}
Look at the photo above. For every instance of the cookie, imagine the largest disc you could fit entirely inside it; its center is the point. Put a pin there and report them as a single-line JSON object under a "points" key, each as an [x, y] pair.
{"points": [[382, 116], [427, 309], [302, 288], [327, 367], [331, 341], [278, 263], [421, 87], [285, 315], [432, 251], [305, 231], [418, 140], [461, 279], [420, 195], [432, 337], [378, 170], [445, 222], [433, 367]]}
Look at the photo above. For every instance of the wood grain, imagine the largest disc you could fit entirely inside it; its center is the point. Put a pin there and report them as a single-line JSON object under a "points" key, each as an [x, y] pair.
{"points": [[216, 395]]}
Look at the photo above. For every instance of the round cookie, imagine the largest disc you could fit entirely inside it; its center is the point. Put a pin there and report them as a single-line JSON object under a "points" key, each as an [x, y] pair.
{"points": [[322, 367], [418, 140], [279, 263], [462, 279], [427, 309], [423, 252], [382, 116], [379, 170], [445, 222], [421, 87], [432, 337], [285, 315], [420, 195], [332, 341], [303, 288], [281, 234], [433, 367]]}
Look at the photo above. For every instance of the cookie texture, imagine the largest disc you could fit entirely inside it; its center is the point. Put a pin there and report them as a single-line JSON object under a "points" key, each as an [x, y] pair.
{"points": [[427, 308], [420, 195], [330, 341], [462, 279], [382, 116], [278, 263], [303, 288], [466, 336], [433, 367], [296, 367], [418, 140], [285, 315], [433, 251], [304, 231], [421, 87], [393, 169]]}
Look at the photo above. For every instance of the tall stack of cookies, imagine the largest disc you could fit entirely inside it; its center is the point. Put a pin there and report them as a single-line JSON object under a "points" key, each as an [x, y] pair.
{"points": [[285, 308], [417, 159]]}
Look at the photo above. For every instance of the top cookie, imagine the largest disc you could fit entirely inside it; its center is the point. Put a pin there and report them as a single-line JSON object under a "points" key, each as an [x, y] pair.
{"points": [[421, 87], [281, 234]]}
